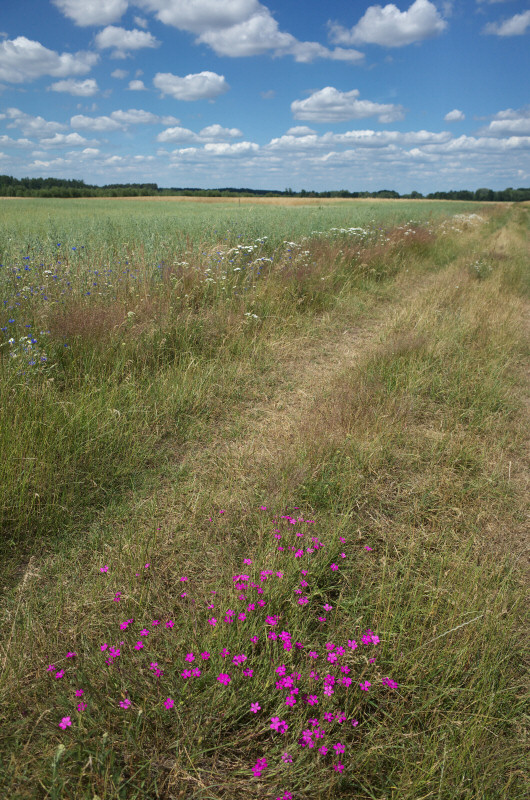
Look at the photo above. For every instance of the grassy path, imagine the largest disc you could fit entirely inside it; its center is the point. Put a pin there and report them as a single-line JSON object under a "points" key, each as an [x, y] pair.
{"points": [[396, 421]]}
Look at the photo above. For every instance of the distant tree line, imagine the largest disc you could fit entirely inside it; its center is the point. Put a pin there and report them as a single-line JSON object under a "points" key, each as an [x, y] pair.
{"points": [[59, 187]]}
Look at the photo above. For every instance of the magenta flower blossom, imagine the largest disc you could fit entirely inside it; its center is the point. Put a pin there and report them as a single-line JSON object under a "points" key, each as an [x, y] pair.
{"points": [[212, 622], [355, 722], [81, 707], [286, 758], [327, 607], [248, 673], [125, 703], [312, 700], [144, 632], [224, 678], [339, 747], [390, 683], [365, 686], [338, 767], [323, 749], [328, 716], [138, 645], [59, 674], [65, 723], [334, 567], [104, 569], [328, 691], [255, 707], [368, 548], [50, 667], [169, 703], [71, 655], [169, 624], [79, 692], [190, 657], [261, 764], [352, 643], [205, 656]]}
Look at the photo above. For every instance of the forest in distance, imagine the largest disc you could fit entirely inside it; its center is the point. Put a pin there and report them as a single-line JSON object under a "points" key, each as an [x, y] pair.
{"points": [[61, 187]]}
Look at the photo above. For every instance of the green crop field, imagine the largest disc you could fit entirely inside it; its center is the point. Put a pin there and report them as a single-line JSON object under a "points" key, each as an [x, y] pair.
{"points": [[263, 494]]}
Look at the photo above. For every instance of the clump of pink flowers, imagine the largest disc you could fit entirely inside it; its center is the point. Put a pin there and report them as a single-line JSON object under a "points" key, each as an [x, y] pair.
{"points": [[312, 701]]}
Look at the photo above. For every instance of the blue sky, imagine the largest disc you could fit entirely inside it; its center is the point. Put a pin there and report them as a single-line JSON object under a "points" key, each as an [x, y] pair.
{"points": [[305, 94]]}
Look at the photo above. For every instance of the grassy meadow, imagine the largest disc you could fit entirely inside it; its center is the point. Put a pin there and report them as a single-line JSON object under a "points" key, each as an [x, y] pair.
{"points": [[263, 499]]}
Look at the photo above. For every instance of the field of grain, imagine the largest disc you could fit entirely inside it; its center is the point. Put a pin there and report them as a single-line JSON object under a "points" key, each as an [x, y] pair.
{"points": [[263, 499]]}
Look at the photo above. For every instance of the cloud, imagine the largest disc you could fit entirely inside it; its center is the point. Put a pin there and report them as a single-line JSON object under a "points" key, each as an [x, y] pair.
{"points": [[32, 126], [237, 149], [23, 59], [389, 27], [200, 86], [120, 120], [65, 140], [86, 88], [455, 116], [95, 123], [211, 133], [120, 74], [92, 12], [515, 26], [331, 105], [137, 116], [509, 122], [198, 16], [137, 86], [300, 130], [7, 141], [239, 28], [217, 132], [306, 139], [124, 41]]}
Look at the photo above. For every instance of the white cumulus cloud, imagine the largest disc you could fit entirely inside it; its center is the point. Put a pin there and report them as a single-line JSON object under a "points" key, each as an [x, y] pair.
{"points": [[120, 120], [515, 26], [198, 16], [212, 133], [65, 140], [226, 149], [123, 41], [455, 116], [32, 126], [509, 122], [137, 86], [23, 59], [86, 88], [199, 86], [390, 27], [331, 105], [92, 12], [239, 28]]}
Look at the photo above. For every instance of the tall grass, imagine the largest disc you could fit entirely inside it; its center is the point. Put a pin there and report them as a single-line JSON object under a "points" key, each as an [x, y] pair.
{"points": [[376, 536]]}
